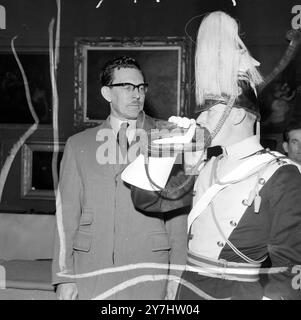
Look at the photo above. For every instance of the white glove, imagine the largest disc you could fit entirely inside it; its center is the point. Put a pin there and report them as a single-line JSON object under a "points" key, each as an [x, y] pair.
{"points": [[190, 158], [182, 122]]}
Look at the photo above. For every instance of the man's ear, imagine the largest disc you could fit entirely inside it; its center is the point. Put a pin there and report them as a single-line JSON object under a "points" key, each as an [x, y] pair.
{"points": [[285, 146], [106, 93]]}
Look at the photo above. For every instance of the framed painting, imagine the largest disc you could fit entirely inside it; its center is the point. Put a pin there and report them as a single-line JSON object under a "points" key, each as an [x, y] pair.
{"points": [[165, 63], [14, 106], [279, 97], [36, 170]]}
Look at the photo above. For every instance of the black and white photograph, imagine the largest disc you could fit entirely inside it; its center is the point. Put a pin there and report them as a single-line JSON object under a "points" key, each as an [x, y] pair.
{"points": [[150, 153]]}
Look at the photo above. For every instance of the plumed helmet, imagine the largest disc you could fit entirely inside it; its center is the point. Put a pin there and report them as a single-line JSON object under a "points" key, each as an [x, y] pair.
{"points": [[224, 67], [246, 99]]}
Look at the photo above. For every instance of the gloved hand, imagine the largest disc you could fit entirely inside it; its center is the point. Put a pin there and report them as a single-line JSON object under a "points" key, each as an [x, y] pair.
{"points": [[193, 157], [182, 122], [185, 123]]}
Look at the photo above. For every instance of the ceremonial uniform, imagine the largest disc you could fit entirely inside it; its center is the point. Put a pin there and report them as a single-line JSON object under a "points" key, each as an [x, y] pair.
{"points": [[251, 220], [244, 229]]}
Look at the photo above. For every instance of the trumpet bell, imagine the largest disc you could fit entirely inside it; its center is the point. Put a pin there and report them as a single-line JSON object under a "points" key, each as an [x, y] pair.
{"points": [[158, 169]]}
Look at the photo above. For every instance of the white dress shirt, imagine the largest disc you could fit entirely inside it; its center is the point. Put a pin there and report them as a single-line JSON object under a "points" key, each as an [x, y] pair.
{"points": [[116, 124]]}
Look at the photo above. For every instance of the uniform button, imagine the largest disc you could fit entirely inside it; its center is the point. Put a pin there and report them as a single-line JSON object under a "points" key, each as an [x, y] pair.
{"points": [[245, 202], [233, 223], [261, 181], [220, 244]]}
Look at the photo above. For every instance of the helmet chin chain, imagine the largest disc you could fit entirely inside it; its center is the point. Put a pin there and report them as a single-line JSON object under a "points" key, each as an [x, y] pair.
{"points": [[194, 170]]}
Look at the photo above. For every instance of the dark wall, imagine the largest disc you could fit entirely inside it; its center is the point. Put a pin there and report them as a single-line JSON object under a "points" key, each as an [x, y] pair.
{"points": [[263, 25]]}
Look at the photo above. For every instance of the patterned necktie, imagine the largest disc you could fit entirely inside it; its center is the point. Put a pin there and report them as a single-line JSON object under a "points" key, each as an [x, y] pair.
{"points": [[122, 139]]}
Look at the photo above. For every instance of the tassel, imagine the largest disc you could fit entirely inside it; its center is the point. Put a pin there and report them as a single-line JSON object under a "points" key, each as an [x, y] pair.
{"points": [[251, 198], [257, 202], [256, 198]]}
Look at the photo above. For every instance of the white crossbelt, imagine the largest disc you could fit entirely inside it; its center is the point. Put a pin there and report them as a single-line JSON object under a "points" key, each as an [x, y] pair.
{"points": [[236, 174]]}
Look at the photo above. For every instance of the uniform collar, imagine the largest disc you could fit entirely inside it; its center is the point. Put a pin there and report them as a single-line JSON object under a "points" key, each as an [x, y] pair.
{"points": [[243, 148]]}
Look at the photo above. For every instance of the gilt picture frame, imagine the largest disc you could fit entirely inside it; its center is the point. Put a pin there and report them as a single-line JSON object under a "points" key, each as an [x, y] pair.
{"points": [[165, 62], [36, 169]]}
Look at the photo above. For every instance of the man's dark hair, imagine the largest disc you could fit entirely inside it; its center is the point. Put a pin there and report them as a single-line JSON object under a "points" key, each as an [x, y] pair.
{"points": [[117, 63], [294, 125]]}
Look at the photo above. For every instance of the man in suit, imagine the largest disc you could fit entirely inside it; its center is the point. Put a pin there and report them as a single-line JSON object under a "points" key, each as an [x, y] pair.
{"points": [[98, 227]]}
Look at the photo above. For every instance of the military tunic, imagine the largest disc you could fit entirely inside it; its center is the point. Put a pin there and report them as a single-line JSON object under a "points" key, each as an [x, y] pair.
{"points": [[264, 225]]}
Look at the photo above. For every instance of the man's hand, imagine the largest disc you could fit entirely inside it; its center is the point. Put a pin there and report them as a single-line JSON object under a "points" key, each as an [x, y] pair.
{"points": [[191, 158], [67, 291], [171, 291], [185, 123]]}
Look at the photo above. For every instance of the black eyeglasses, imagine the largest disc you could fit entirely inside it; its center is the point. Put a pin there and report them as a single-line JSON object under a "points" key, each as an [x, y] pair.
{"points": [[130, 87]]}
